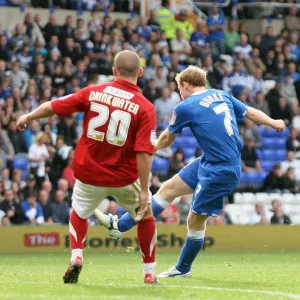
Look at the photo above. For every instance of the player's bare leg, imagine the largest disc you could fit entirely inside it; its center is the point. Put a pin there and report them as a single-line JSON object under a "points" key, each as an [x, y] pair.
{"points": [[171, 189], [78, 231]]}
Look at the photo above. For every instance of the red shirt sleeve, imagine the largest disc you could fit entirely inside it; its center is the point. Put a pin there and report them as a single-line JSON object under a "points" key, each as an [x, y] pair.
{"points": [[72, 103], [146, 133]]}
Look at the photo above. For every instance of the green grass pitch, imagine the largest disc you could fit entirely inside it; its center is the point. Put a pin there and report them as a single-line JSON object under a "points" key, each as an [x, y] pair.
{"points": [[119, 276]]}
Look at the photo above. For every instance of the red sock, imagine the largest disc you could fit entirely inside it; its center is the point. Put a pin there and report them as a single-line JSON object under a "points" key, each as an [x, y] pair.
{"points": [[146, 232], [78, 230]]}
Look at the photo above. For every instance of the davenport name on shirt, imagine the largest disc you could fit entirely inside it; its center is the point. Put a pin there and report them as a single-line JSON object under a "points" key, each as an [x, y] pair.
{"points": [[110, 97]]}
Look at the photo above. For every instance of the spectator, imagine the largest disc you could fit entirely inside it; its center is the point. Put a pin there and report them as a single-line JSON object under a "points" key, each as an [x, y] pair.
{"points": [[289, 181], [232, 38], [24, 57], [176, 163], [170, 215], [272, 98], [152, 23], [143, 29], [256, 82], [67, 30], [214, 76], [274, 182], [161, 80], [199, 41], [46, 206], [173, 89], [19, 79], [33, 210], [292, 70], [237, 81], [60, 208], [261, 215], [5, 51], [5, 178], [164, 106], [182, 47], [63, 185], [223, 218], [31, 132], [288, 90], [283, 111], [293, 142], [155, 184], [166, 19], [255, 62], [67, 128], [20, 37], [251, 130], [6, 147], [68, 172], [30, 188], [216, 26], [280, 218], [250, 161], [1, 191], [291, 162], [184, 207], [294, 46], [33, 30], [38, 154], [115, 209], [12, 208], [243, 47], [47, 186], [51, 28], [268, 40], [271, 70], [261, 104], [152, 92], [184, 25]]}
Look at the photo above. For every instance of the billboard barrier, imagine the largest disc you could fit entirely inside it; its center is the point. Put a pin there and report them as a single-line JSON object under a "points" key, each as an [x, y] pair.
{"points": [[48, 239]]}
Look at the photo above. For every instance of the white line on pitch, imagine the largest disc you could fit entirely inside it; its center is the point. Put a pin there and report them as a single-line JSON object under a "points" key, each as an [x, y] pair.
{"points": [[160, 286]]}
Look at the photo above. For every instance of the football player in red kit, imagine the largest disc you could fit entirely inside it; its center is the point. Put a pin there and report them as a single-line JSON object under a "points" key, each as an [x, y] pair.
{"points": [[112, 158]]}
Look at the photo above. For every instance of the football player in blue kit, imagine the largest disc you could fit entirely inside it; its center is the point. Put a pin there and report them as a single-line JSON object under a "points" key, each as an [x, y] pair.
{"points": [[212, 117]]}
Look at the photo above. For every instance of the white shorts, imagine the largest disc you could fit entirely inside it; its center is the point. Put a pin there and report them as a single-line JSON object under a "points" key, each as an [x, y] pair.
{"points": [[86, 198]]}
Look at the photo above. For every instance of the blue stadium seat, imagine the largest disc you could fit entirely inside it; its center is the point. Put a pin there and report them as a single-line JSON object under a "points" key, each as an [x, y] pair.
{"points": [[184, 141], [267, 165], [281, 154], [277, 143], [20, 162], [160, 165], [253, 177], [3, 3], [272, 133], [267, 154], [189, 152]]}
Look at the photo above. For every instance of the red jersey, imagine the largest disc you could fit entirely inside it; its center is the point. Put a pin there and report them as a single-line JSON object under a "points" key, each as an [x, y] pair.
{"points": [[118, 122]]}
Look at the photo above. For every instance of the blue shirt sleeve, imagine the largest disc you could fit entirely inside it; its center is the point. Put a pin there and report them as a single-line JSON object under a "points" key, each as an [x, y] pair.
{"points": [[240, 109], [209, 21], [180, 119], [39, 212]]}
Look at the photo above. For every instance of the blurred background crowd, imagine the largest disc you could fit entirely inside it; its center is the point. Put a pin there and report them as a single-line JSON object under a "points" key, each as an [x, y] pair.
{"points": [[39, 63]]}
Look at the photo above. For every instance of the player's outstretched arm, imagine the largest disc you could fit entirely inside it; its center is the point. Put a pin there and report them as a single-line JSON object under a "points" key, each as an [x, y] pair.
{"points": [[144, 163], [260, 117], [165, 140], [43, 111]]}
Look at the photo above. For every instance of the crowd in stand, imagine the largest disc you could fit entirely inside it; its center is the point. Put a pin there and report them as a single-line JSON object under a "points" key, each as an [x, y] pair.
{"points": [[39, 63]]}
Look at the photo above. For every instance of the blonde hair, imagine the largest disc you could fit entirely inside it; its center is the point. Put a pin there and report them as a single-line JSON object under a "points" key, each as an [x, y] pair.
{"points": [[40, 137], [193, 75]]}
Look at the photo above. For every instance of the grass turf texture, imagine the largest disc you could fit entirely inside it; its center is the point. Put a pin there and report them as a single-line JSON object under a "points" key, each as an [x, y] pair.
{"points": [[119, 276]]}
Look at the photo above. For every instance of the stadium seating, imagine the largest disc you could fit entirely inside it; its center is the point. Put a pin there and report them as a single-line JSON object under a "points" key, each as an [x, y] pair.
{"points": [[160, 165], [244, 205], [21, 162]]}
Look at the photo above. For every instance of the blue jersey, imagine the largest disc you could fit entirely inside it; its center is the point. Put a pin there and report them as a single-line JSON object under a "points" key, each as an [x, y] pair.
{"points": [[212, 116]]}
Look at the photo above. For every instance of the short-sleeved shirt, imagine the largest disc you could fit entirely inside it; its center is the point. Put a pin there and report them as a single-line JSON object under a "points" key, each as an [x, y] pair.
{"points": [[118, 123], [212, 117], [213, 20]]}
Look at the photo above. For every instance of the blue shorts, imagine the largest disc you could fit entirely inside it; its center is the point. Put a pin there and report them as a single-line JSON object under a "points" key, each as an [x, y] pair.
{"points": [[212, 184]]}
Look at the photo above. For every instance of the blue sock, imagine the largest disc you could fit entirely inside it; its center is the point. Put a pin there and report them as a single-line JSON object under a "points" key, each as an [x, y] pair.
{"points": [[126, 222], [193, 244]]}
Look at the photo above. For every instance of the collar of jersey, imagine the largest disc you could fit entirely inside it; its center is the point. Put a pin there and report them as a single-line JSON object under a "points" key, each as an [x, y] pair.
{"points": [[127, 83], [199, 92]]}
